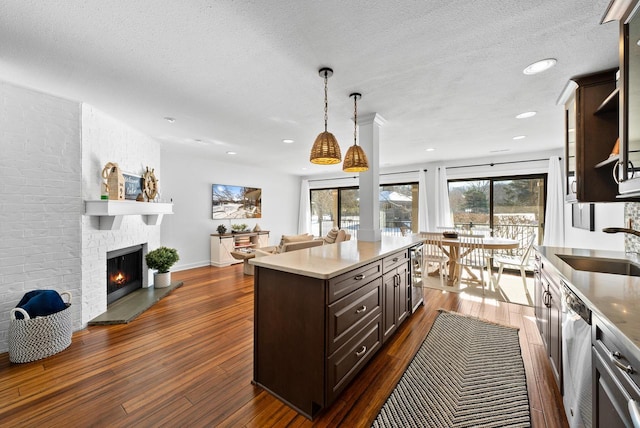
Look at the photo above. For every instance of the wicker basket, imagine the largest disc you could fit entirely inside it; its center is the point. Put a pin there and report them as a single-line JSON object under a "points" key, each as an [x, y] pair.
{"points": [[32, 339]]}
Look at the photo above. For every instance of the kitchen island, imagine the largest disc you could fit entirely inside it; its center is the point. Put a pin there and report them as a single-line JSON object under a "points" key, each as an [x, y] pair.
{"points": [[320, 314]]}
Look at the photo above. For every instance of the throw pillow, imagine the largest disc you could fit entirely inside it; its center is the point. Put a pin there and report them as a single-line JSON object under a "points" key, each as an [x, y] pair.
{"points": [[331, 235]]}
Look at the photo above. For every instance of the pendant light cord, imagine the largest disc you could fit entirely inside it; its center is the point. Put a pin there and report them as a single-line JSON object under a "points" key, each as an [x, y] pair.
{"points": [[326, 107], [355, 120]]}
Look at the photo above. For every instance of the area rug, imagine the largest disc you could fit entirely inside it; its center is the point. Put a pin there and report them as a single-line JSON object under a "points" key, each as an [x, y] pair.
{"points": [[467, 373]]}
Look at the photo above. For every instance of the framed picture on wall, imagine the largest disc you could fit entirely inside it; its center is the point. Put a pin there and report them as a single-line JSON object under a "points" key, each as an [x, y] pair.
{"points": [[582, 216], [132, 186], [230, 202]]}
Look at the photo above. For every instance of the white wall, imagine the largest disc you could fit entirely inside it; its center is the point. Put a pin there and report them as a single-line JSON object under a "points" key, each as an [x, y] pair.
{"points": [[187, 179], [605, 215], [40, 198]]}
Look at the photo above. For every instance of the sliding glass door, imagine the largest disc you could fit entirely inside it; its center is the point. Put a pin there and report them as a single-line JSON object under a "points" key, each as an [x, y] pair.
{"points": [[509, 207], [341, 207]]}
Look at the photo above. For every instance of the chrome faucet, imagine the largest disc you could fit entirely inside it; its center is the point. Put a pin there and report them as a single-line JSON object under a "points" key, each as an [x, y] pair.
{"points": [[621, 230]]}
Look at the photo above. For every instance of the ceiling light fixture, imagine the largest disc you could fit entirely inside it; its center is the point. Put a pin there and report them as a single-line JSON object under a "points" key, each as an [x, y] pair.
{"points": [[356, 159], [519, 137], [287, 141], [325, 150], [526, 114], [430, 149], [540, 66], [232, 153], [169, 119]]}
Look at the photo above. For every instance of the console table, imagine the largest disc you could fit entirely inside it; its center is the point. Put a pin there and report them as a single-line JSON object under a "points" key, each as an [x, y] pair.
{"points": [[223, 245]]}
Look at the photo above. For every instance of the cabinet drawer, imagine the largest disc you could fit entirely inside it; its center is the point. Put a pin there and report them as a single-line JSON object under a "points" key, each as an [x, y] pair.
{"points": [[345, 364], [395, 260], [623, 362], [349, 314], [344, 284]]}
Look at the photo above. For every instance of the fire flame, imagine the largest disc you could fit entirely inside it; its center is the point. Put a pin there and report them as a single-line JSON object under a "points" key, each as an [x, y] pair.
{"points": [[119, 279]]}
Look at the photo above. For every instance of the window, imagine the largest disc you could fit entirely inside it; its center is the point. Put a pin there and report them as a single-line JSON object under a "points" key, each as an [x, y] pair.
{"points": [[341, 207], [511, 207]]}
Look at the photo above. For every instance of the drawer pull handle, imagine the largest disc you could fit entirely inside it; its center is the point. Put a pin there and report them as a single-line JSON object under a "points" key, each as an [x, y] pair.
{"points": [[634, 412], [614, 359], [359, 276], [361, 309], [395, 259], [361, 352]]}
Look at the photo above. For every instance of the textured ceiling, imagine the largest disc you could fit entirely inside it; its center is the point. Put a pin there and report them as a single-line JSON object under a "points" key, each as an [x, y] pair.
{"points": [[243, 75]]}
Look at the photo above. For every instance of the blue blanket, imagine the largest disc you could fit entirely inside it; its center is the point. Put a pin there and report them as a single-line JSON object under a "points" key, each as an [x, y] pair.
{"points": [[40, 303]]}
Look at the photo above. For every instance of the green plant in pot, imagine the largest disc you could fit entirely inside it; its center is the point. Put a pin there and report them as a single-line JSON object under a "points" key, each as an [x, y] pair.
{"points": [[161, 259], [222, 229]]}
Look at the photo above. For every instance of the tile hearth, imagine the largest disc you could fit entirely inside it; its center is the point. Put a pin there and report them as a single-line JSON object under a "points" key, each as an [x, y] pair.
{"points": [[126, 309]]}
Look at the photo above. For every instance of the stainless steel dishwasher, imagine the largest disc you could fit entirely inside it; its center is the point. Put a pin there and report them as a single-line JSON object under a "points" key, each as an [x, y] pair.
{"points": [[576, 359]]}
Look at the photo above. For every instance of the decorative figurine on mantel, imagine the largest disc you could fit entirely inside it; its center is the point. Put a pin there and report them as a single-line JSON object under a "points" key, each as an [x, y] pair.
{"points": [[114, 181], [150, 184]]}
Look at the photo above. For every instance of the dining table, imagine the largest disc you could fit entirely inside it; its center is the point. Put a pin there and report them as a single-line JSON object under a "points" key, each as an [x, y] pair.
{"points": [[452, 247]]}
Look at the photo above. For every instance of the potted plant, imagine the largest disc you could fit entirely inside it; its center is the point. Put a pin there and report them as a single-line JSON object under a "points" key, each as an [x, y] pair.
{"points": [[161, 259], [222, 229]]}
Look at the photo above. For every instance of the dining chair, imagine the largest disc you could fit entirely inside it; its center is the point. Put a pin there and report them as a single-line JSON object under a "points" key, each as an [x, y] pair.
{"points": [[433, 253], [520, 262], [471, 256]]}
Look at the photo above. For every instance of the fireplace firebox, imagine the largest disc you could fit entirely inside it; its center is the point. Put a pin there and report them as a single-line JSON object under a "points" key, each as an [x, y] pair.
{"points": [[124, 272]]}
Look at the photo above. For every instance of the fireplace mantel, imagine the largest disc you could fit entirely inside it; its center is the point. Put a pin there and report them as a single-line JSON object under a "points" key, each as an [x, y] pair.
{"points": [[111, 212]]}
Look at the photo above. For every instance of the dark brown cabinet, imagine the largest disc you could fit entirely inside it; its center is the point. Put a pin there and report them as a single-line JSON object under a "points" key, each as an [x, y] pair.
{"points": [[591, 132], [396, 292], [548, 310], [616, 396]]}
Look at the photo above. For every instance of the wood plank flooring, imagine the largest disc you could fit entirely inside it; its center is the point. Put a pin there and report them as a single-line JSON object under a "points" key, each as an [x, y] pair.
{"points": [[188, 362]]}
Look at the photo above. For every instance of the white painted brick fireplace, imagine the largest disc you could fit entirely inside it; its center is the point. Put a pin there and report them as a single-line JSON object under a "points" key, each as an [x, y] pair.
{"points": [[53, 152], [106, 140]]}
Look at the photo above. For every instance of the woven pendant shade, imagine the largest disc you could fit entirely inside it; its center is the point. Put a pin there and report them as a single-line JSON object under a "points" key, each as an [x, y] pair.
{"points": [[325, 150], [355, 160]]}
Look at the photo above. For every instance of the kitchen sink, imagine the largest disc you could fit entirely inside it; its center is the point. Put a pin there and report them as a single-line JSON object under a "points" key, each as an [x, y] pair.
{"points": [[602, 265]]}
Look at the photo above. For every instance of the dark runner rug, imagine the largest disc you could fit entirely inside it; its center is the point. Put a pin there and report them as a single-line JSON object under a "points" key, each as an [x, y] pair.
{"points": [[467, 373]]}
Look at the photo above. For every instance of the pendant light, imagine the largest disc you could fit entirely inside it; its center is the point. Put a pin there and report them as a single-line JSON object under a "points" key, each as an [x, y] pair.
{"points": [[355, 160], [325, 150]]}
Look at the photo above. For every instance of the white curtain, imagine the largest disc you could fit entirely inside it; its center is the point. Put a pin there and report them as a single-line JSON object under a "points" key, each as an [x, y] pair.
{"points": [[423, 213], [304, 215], [554, 214], [443, 209]]}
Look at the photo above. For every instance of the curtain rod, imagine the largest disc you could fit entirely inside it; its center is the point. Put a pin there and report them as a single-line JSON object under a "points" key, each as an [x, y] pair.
{"points": [[343, 178], [499, 163]]}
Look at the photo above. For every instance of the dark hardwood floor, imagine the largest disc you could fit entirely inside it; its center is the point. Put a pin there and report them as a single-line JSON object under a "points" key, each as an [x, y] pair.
{"points": [[188, 361]]}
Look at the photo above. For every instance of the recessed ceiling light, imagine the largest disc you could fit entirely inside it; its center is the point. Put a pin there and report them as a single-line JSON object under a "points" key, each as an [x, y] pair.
{"points": [[540, 66], [526, 114], [499, 150], [232, 153], [169, 119], [287, 141], [519, 137], [430, 149]]}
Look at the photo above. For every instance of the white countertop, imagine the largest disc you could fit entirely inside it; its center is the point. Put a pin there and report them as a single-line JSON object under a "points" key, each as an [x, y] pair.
{"points": [[328, 261], [616, 298]]}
